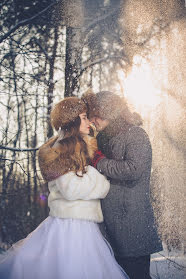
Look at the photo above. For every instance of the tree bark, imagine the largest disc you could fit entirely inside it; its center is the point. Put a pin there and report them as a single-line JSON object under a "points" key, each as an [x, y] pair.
{"points": [[50, 94], [73, 60]]}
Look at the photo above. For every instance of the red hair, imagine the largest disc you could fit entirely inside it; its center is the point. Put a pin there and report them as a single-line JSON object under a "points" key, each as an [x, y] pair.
{"points": [[73, 148]]}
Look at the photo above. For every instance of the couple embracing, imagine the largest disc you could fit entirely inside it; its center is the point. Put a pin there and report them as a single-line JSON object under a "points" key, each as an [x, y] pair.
{"points": [[90, 181]]}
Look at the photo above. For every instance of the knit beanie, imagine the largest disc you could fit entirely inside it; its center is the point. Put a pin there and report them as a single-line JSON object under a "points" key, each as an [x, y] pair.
{"points": [[66, 111]]}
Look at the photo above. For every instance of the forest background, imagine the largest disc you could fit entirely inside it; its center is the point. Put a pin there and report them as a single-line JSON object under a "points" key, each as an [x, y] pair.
{"points": [[52, 49]]}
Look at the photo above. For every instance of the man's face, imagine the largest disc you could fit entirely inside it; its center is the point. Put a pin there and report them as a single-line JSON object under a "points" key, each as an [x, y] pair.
{"points": [[99, 123]]}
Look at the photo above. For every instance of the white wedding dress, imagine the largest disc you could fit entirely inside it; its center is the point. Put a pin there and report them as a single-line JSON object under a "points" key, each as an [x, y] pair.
{"points": [[61, 249]]}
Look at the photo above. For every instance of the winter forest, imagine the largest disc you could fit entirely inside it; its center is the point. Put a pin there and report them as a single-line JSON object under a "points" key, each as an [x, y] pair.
{"points": [[52, 49]]}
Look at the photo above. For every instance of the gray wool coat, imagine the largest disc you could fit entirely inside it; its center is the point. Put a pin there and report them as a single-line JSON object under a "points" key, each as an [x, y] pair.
{"points": [[129, 223]]}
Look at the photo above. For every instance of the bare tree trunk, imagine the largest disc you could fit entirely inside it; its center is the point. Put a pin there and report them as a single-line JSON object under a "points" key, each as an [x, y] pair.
{"points": [[51, 81], [34, 143], [74, 45], [18, 115], [28, 181], [73, 60], [4, 151]]}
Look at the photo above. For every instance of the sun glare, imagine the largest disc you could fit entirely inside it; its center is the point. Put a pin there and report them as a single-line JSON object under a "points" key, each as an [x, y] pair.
{"points": [[139, 88]]}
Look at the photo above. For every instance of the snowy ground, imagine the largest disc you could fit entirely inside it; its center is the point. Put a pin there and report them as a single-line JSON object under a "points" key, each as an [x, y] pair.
{"points": [[166, 265]]}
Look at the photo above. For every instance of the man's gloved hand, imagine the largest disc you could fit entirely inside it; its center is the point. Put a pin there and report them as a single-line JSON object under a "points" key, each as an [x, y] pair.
{"points": [[98, 155]]}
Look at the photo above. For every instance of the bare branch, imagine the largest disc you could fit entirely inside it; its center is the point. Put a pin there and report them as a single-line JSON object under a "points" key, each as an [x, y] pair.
{"points": [[8, 107], [173, 262], [26, 21], [44, 51], [98, 61], [154, 31], [19, 149], [99, 19], [13, 161]]}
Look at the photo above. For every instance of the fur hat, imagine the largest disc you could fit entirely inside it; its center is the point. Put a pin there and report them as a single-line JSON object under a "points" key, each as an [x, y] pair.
{"points": [[107, 105], [66, 111]]}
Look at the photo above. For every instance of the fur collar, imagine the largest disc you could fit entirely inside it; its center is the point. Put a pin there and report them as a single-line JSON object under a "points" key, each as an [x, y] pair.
{"points": [[51, 161]]}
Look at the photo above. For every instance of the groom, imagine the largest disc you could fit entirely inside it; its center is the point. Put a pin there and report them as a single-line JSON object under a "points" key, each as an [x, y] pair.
{"points": [[129, 223]]}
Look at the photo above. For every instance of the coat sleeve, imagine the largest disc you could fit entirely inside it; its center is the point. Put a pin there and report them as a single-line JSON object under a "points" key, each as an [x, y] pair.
{"points": [[92, 185], [136, 158]]}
